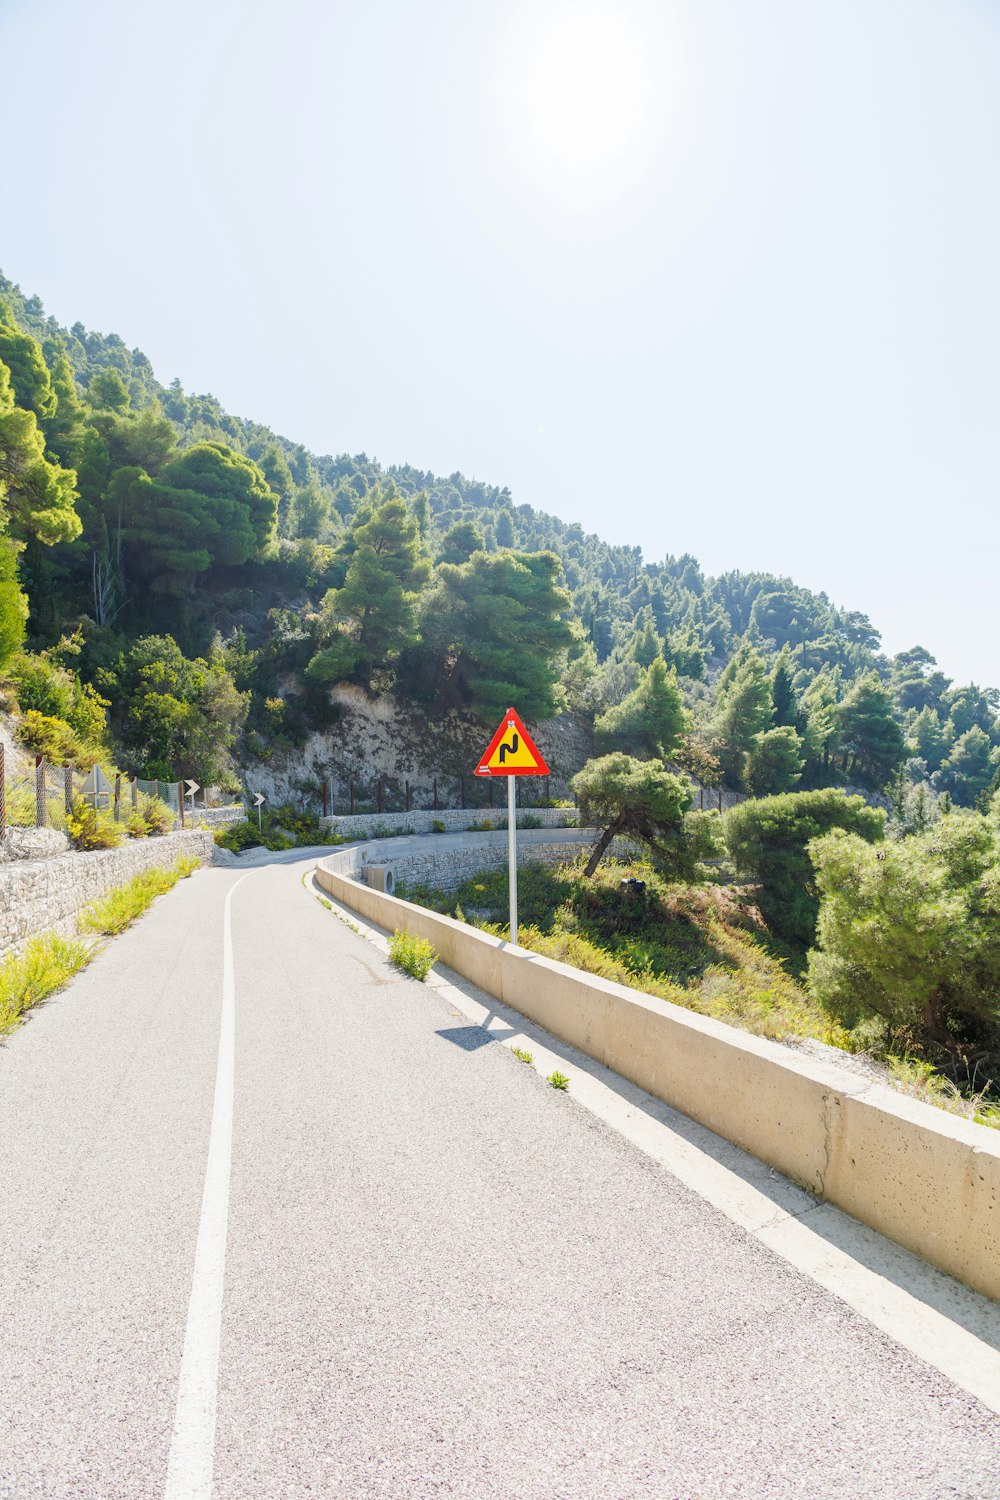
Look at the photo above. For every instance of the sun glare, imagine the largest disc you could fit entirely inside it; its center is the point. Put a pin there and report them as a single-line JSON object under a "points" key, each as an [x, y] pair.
{"points": [[582, 88]]}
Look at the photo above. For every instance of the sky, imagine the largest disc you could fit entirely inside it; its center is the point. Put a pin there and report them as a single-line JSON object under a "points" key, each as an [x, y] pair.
{"points": [[703, 275]]}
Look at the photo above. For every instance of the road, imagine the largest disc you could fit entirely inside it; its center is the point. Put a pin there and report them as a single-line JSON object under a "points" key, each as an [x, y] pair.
{"points": [[441, 1276]]}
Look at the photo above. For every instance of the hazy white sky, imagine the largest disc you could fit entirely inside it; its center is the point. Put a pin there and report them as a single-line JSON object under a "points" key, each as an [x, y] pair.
{"points": [[705, 275]]}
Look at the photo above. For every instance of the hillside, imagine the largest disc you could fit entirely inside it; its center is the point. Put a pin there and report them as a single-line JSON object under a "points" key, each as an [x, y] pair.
{"points": [[196, 571]]}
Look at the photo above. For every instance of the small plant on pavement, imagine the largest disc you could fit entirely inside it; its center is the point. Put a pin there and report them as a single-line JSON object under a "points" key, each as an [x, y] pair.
{"points": [[558, 1080], [525, 1057], [414, 955]]}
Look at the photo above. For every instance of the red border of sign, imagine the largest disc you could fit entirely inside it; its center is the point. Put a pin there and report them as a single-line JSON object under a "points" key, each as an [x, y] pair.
{"points": [[512, 719]]}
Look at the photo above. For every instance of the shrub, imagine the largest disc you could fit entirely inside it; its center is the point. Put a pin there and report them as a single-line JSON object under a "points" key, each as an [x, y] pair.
{"points": [[526, 820], [768, 841], [438, 827], [88, 829], [238, 836], [49, 737], [414, 955], [908, 932], [157, 817]]}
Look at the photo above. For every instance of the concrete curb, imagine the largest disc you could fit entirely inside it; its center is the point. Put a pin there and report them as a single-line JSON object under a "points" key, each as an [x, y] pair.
{"points": [[926, 1179]]}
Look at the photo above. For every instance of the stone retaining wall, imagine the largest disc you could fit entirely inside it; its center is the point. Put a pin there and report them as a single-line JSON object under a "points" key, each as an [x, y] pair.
{"points": [[39, 895], [455, 820]]}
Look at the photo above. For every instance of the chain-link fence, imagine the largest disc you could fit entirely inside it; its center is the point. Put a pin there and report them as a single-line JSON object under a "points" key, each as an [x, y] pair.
{"points": [[387, 794], [35, 794]]}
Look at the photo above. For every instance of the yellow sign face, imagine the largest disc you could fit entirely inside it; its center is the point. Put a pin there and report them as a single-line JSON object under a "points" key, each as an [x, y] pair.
{"points": [[512, 751], [512, 754]]}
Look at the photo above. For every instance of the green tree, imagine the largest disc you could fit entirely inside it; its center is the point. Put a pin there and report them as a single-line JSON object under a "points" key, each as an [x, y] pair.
{"points": [[776, 761], [969, 769], [871, 742], [743, 712], [210, 506], [651, 720], [107, 391], [13, 603], [908, 933], [372, 618], [494, 629], [37, 497], [175, 717], [928, 738], [647, 646], [460, 543], [30, 381], [635, 799], [783, 699], [768, 843]]}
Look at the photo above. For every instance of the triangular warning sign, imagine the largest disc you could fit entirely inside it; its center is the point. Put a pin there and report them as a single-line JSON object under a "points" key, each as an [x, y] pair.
{"points": [[512, 751]]}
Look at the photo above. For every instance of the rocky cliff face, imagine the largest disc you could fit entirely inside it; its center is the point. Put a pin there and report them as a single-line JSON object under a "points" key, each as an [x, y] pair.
{"points": [[383, 739]]}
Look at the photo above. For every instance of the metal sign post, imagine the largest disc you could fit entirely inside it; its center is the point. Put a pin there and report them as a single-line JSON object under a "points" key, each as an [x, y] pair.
{"points": [[512, 753], [512, 853], [258, 802]]}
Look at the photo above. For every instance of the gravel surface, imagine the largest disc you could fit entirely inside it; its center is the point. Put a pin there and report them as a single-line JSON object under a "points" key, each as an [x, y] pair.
{"points": [[443, 1277]]}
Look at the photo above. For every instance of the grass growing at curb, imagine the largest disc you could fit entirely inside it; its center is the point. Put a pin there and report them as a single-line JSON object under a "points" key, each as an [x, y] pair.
{"points": [[49, 961], [558, 1080], [414, 955], [525, 1057], [120, 908]]}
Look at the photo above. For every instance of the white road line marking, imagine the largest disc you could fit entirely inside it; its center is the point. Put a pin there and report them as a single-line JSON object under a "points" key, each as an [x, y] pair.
{"points": [[192, 1447]]}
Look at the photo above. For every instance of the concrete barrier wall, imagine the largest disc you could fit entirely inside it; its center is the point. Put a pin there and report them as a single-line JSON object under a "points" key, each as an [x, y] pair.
{"points": [[39, 895], [927, 1179]]}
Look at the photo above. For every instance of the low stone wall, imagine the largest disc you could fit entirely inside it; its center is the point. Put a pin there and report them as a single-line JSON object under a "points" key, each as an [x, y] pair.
{"points": [[447, 860], [455, 820], [216, 817], [39, 895], [927, 1179]]}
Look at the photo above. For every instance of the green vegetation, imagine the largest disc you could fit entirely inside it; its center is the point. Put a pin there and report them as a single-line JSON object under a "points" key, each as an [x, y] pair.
{"points": [[47, 963], [522, 1056], [281, 827], [89, 829], [908, 933], [558, 1080], [414, 955], [635, 799], [114, 912], [212, 581], [768, 842], [696, 945]]}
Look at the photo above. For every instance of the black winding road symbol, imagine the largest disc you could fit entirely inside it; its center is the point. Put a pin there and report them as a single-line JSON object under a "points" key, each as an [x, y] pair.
{"points": [[510, 749]]}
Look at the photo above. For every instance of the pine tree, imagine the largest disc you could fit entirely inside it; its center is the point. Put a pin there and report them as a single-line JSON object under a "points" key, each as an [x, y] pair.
{"points": [[871, 741], [649, 721], [372, 618], [742, 713]]}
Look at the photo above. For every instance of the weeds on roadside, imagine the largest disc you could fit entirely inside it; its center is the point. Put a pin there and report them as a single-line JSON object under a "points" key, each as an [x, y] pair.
{"points": [[919, 1078], [47, 963], [117, 910], [414, 955], [525, 1057], [558, 1080]]}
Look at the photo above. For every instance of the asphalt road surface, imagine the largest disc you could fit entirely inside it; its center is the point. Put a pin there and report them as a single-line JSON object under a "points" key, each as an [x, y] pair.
{"points": [[441, 1277]]}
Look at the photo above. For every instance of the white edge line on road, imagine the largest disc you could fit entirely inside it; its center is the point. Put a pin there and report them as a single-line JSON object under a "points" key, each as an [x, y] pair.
{"points": [[926, 1311], [192, 1446]]}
